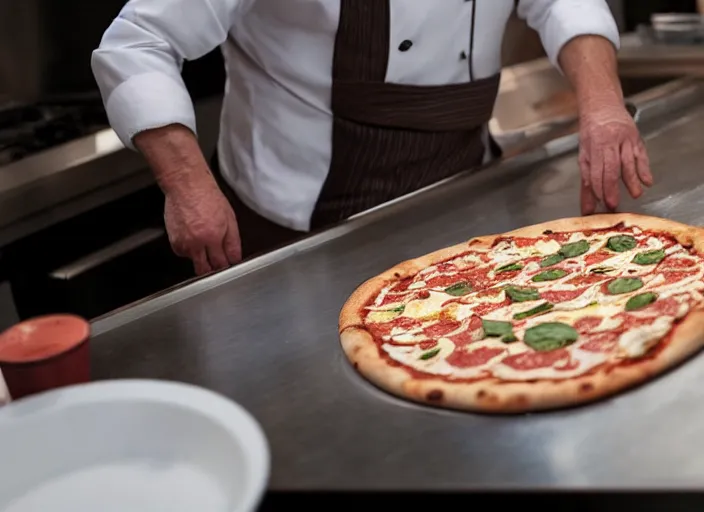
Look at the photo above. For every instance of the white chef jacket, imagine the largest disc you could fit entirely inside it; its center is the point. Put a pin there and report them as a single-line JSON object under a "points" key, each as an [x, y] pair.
{"points": [[276, 125]]}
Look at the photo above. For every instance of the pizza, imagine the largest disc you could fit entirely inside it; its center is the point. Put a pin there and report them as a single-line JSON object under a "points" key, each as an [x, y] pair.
{"points": [[548, 316]]}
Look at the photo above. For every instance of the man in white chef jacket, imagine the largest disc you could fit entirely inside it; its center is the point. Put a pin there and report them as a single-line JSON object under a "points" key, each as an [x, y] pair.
{"points": [[335, 106]]}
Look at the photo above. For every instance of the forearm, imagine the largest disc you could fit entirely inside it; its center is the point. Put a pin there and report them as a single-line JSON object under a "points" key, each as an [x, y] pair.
{"points": [[175, 157], [590, 64]]}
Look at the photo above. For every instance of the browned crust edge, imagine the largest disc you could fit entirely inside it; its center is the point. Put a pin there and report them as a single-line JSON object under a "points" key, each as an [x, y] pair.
{"points": [[494, 395]]}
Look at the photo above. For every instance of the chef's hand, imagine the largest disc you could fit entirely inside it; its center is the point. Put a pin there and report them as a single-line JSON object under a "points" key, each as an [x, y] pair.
{"points": [[202, 226], [611, 149]]}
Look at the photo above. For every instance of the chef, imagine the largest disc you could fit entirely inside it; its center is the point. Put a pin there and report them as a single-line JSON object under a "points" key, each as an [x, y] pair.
{"points": [[335, 106]]}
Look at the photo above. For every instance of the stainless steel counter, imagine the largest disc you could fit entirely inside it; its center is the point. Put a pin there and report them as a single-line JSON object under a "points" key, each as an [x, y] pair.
{"points": [[265, 335]]}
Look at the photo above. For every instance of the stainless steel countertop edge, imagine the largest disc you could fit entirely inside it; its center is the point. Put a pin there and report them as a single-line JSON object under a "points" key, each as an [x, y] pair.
{"points": [[649, 105]]}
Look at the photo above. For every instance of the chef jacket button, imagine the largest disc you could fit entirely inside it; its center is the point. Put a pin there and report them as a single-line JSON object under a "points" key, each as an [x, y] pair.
{"points": [[405, 45], [463, 55]]}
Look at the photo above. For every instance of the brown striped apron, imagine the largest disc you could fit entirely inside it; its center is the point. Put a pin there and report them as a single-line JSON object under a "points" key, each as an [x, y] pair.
{"points": [[388, 139]]}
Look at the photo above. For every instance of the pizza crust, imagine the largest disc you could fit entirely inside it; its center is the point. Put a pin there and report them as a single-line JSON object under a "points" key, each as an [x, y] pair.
{"points": [[493, 395]]}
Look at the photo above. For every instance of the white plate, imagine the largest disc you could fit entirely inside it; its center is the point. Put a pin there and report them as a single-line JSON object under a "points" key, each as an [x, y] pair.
{"points": [[130, 446]]}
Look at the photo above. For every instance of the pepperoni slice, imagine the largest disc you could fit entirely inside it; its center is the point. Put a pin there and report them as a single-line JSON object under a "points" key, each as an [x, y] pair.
{"points": [[478, 278], [587, 324], [384, 329], [557, 296], [426, 345], [664, 307], [485, 309], [402, 286], [601, 342], [471, 334], [520, 241], [443, 281], [587, 280], [674, 277], [597, 257], [471, 358], [536, 360], [631, 321], [678, 263], [442, 328]]}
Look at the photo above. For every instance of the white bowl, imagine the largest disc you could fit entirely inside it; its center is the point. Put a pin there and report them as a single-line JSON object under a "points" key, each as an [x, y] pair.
{"points": [[130, 445]]}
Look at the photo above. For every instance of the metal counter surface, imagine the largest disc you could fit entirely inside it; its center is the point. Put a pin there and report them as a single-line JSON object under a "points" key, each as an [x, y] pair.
{"points": [[265, 334]]}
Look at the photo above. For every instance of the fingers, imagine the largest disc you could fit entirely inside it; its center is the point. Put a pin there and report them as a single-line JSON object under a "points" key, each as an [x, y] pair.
{"points": [[612, 175], [200, 262], [643, 164], [629, 169], [232, 244], [216, 257], [596, 172], [587, 199]]}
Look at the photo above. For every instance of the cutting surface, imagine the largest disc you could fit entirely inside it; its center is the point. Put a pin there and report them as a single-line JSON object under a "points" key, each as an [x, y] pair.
{"points": [[268, 339]]}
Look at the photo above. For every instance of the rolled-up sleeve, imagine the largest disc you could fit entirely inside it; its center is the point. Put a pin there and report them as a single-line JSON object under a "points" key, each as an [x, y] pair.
{"points": [[560, 21], [138, 64]]}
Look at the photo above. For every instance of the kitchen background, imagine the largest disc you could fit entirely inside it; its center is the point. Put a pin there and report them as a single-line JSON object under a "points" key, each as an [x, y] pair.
{"points": [[80, 217]]}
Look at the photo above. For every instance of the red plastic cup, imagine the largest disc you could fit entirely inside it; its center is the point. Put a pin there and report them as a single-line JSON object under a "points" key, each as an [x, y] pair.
{"points": [[44, 353]]}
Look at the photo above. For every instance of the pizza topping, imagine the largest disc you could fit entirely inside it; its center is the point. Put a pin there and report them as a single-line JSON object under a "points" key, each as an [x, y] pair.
{"points": [[587, 324], [638, 341], [430, 354], [549, 275], [599, 296], [498, 329], [459, 289], [471, 358], [640, 301], [520, 294], [621, 243], [574, 249], [538, 310], [601, 342], [557, 296], [649, 258], [624, 285], [442, 328], [553, 259], [535, 360], [597, 257], [513, 267], [550, 336]]}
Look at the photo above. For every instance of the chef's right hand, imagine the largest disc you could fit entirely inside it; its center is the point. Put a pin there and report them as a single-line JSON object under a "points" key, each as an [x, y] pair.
{"points": [[202, 226]]}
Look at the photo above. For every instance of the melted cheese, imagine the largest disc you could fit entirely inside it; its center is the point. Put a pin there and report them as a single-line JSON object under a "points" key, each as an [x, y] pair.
{"points": [[584, 360], [426, 308], [637, 342]]}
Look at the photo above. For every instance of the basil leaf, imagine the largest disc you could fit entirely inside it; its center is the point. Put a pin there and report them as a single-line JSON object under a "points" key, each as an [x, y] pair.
{"points": [[624, 285], [522, 294], [431, 354], [509, 268], [621, 243], [543, 308], [550, 336], [601, 270], [459, 289], [640, 301], [649, 258], [553, 259], [549, 275], [509, 338], [496, 329], [398, 309], [574, 249]]}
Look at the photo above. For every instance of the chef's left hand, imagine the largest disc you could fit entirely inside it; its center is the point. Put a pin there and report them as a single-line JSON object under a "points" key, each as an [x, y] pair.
{"points": [[611, 149]]}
